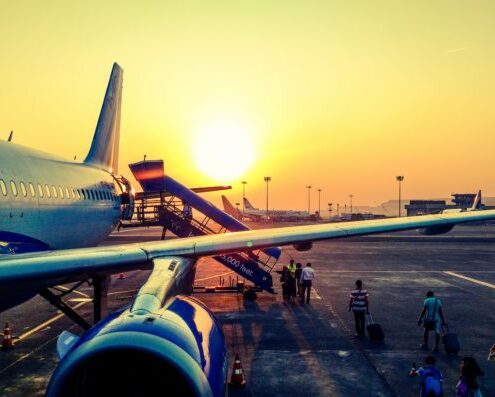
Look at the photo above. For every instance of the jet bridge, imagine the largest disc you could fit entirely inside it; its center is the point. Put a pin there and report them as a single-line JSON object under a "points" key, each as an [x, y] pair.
{"points": [[167, 203]]}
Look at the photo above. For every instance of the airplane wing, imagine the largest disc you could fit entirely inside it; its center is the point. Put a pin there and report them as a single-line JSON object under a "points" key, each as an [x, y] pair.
{"points": [[31, 272], [178, 338]]}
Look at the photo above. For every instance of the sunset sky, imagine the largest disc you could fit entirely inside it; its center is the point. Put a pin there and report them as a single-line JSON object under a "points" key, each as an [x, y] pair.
{"points": [[342, 95]]}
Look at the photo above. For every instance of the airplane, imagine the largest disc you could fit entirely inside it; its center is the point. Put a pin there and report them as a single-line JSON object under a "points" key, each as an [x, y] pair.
{"points": [[259, 215], [430, 231], [54, 212]]}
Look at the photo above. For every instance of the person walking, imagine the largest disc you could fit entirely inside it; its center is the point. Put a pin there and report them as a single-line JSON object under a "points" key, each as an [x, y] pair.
{"points": [[291, 288], [307, 277], [292, 267], [298, 274], [431, 378], [359, 305], [467, 386], [284, 281], [433, 319]]}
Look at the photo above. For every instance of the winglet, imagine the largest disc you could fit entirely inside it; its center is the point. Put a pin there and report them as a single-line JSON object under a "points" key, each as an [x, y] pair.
{"points": [[11, 135], [104, 151]]}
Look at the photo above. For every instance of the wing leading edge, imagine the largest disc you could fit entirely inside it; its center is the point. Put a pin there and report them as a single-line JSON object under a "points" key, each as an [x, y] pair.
{"points": [[31, 272]]}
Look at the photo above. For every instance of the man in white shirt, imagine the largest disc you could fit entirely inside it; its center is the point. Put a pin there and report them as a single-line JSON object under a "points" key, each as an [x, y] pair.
{"points": [[307, 277]]}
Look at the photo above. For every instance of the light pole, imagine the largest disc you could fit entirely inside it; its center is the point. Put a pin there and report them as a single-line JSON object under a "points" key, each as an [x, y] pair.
{"points": [[319, 209], [309, 198], [243, 195], [267, 179], [399, 179], [237, 208], [330, 211], [350, 197], [338, 209]]}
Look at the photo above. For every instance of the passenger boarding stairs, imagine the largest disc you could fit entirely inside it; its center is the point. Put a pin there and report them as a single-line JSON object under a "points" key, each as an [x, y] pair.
{"points": [[184, 213]]}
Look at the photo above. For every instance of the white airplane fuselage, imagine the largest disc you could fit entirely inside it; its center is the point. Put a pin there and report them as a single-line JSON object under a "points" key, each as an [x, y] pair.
{"points": [[50, 203]]}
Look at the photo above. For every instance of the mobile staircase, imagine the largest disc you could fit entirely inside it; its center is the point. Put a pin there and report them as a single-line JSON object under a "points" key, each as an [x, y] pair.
{"points": [[167, 203]]}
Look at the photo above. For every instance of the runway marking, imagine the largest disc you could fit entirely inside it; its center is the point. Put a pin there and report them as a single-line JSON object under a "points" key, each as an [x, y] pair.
{"points": [[75, 291], [207, 278], [473, 280], [129, 291], [408, 271], [48, 322]]}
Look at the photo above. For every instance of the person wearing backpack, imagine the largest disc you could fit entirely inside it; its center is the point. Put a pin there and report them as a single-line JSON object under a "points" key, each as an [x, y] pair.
{"points": [[431, 378], [433, 319]]}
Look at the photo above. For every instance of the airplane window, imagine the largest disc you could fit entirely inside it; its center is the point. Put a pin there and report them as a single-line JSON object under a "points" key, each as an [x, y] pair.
{"points": [[54, 191], [40, 190], [67, 194], [31, 189], [92, 195], [98, 194], [3, 187], [83, 194], [13, 187], [61, 192], [48, 193], [78, 193], [23, 189]]}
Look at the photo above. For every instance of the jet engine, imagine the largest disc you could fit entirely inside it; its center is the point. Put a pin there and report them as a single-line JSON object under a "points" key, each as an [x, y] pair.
{"points": [[305, 246], [178, 350], [434, 230]]}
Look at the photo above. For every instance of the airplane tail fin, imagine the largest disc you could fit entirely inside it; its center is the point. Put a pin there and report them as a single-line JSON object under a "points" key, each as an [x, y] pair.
{"points": [[104, 151], [248, 205], [477, 202], [228, 207]]}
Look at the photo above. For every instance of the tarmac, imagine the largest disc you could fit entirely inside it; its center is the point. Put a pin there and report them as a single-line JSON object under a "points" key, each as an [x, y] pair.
{"points": [[310, 350]]}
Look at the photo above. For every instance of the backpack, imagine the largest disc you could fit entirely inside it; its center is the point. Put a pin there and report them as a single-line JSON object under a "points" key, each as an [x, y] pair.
{"points": [[432, 386]]}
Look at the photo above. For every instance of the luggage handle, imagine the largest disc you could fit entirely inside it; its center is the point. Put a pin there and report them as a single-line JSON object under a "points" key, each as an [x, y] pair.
{"points": [[370, 319]]}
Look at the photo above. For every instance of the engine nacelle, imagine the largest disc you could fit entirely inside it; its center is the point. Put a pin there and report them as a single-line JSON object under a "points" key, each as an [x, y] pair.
{"points": [[306, 246], [178, 351], [434, 230]]}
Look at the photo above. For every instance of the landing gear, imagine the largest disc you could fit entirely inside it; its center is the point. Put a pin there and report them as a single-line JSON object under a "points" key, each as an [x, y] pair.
{"points": [[100, 300]]}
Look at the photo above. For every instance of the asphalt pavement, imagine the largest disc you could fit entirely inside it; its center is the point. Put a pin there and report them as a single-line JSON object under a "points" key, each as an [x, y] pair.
{"points": [[310, 350]]}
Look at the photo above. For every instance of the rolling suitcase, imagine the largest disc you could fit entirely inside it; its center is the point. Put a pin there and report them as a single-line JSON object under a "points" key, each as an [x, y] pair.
{"points": [[451, 342], [375, 331]]}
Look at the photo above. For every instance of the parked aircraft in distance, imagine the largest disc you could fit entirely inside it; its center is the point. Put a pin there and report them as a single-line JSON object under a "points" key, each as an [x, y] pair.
{"points": [[259, 215], [165, 342]]}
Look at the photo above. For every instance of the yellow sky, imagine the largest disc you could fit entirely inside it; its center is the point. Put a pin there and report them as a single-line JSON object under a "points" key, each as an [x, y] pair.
{"points": [[340, 95]]}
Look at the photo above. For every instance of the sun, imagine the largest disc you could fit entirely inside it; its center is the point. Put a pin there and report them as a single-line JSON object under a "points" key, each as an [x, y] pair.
{"points": [[224, 149]]}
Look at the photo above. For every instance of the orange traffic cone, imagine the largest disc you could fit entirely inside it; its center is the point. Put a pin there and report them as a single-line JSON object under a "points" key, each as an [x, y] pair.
{"points": [[237, 378], [121, 276], [7, 342]]}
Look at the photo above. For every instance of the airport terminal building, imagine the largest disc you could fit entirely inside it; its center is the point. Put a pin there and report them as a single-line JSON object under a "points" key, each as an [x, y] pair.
{"points": [[459, 200]]}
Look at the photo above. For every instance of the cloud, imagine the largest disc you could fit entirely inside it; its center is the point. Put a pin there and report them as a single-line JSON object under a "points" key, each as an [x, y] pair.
{"points": [[454, 50]]}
